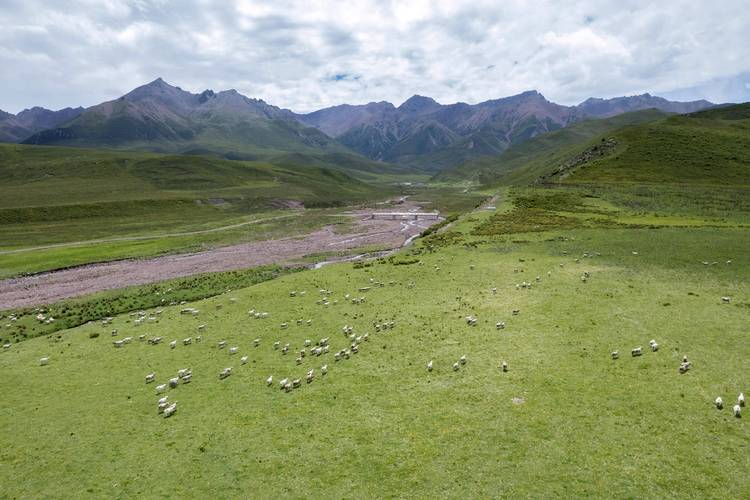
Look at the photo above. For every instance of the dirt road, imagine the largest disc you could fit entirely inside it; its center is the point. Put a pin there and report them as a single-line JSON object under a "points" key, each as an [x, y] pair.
{"points": [[53, 286]]}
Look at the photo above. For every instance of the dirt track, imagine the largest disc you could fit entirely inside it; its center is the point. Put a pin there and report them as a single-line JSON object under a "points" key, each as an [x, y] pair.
{"points": [[50, 287]]}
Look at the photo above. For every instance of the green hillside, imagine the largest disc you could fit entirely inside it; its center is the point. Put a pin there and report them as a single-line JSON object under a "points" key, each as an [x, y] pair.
{"points": [[705, 148], [523, 162], [56, 195]]}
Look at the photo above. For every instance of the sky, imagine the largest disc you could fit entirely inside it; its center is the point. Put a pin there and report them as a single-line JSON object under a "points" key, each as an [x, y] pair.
{"points": [[309, 54]]}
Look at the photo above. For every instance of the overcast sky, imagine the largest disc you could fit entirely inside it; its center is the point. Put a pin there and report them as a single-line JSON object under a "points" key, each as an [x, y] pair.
{"points": [[309, 54]]}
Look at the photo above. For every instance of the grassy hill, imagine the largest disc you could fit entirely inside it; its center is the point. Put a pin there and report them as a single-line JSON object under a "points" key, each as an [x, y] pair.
{"points": [[54, 195], [525, 161]]}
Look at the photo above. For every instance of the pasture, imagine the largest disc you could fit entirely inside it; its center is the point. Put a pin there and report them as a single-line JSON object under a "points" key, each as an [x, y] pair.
{"points": [[565, 420]]}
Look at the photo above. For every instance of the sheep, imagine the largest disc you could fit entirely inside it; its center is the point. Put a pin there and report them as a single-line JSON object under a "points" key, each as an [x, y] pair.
{"points": [[225, 373], [269, 380], [141, 338], [161, 406], [298, 361], [118, 343], [161, 388], [726, 300], [309, 376], [114, 333], [494, 289], [256, 342], [127, 340], [162, 400], [6, 346], [719, 403], [233, 350], [308, 342], [199, 338], [500, 325], [615, 354], [285, 349], [170, 410], [504, 366], [462, 359], [654, 347], [737, 410], [741, 399], [187, 341], [201, 328], [222, 344], [187, 378], [336, 356], [296, 383], [287, 387], [174, 382], [44, 361], [324, 369], [150, 377], [429, 366], [276, 345], [283, 382], [684, 367], [455, 367], [636, 351], [173, 344], [243, 360]]}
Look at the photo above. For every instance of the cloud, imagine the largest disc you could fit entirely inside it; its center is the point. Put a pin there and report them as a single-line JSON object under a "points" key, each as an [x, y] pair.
{"points": [[307, 54]]}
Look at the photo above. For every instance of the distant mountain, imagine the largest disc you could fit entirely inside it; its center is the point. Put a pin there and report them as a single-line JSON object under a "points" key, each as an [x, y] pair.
{"points": [[423, 133], [160, 117], [420, 133], [603, 108], [16, 128]]}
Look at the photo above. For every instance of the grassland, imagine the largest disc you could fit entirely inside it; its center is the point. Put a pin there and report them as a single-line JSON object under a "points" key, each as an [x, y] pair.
{"points": [[94, 205], [565, 420]]}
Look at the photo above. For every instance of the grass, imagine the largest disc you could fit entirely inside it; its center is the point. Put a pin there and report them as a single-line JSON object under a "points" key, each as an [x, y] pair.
{"points": [[55, 195], [565, 420]]}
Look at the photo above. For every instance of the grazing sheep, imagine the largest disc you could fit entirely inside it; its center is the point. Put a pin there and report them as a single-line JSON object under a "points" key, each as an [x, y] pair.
{"points": [[276, 344], [222, 344], [283, 382], [162, 400], [225, 373], [298, 361], [296, 383], [504, 366], [199, 338], [187, 341], [174, 382], [43, 361], [269, 380], [500, 325], [455, 367], [243, 360], [429, 366], [256, 342], [233, 350], [187, 378], [615, 354], [737, 410], [150, 377], [654, 347], [141, 337], [636, 352], [726, 300], [288, 387], [741, 399], [684, 367], [170, 410], [719, 403], [515, 312], [324, 369], [173, 344], [309, 376], [118, 343], [462, 359], [161, 388], [6, 346]]}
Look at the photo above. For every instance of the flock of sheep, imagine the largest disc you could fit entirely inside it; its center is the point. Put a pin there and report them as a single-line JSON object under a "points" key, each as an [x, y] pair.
{"points": [[319, 348]]}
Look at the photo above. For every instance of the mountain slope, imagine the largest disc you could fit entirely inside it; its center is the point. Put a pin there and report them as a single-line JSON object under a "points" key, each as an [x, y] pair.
{"points": [[527, 160], [710, 148], [16, 128], [163, 118], [433, 137]]}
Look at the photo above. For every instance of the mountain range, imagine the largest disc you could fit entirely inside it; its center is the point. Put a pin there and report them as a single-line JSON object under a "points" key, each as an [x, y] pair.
{"points": [[420, 133]]}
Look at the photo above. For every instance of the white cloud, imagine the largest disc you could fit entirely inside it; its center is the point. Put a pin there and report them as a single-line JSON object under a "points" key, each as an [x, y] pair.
{"points": [[306, 54]]}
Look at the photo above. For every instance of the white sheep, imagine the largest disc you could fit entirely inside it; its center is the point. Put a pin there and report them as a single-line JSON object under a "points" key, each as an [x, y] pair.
{"points": [[737, 410], [174, 382], [462, 359], [636, 351], [324, 369], [173, 344], [233, 350], [150, 377], [162, 400], [225, 373], [170, 410], [455, 367], [310, 376], [719, 403], [269, 380], [161, 388], [504, 366], [222, 344], [429, 366], [741, 399], [243, 360], [615, 354], [44, 361]]}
